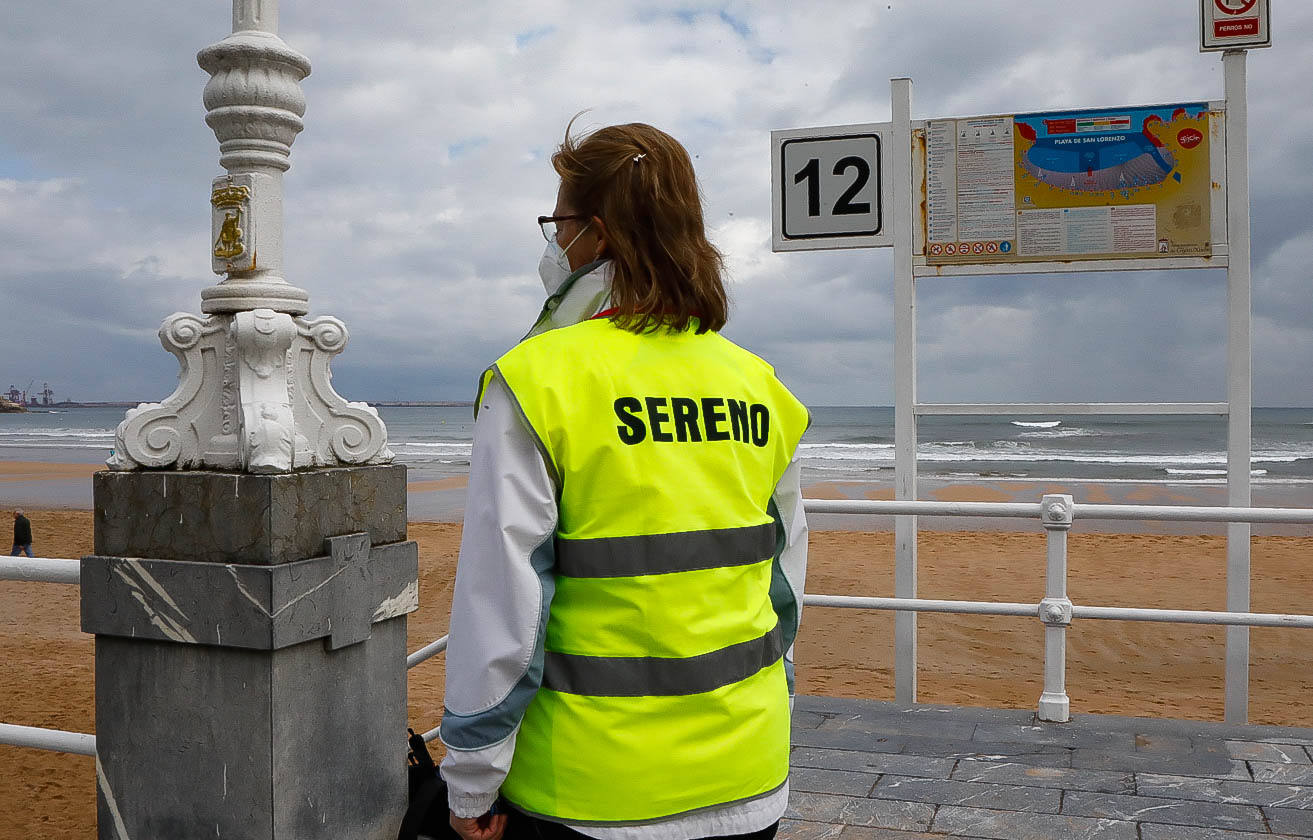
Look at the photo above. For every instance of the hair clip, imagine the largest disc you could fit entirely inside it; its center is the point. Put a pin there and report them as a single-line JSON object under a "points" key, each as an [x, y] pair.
{"points": [[639, 156]]}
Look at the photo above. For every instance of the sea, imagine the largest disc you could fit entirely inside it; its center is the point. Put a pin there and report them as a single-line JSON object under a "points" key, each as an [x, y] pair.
{"points": [[844, 443]]}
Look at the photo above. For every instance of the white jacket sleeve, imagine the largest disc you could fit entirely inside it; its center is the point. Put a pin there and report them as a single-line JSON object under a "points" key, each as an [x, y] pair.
{"points": [[504, 587], [789, 573]]}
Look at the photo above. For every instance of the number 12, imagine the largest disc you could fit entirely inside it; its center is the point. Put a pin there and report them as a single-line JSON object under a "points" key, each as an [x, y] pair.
{"points": [[845, 206]]}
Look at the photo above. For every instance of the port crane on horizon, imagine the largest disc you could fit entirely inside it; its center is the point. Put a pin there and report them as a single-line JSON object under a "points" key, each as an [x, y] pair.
{"points": [[21, 397]]}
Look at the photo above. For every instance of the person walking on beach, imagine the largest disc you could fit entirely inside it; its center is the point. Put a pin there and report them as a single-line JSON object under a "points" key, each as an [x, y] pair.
{"points": [[22, 535], [631, 570]]}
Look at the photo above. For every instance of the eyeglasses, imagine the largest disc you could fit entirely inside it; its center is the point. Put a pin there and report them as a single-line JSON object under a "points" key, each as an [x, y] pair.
{"points": [[548, 224]]}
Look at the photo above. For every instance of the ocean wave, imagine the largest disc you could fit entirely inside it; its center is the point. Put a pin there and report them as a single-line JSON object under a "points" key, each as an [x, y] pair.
{"points": [[1037, 424], [848, 459], [1053, 434], [874, 452], [856, 438], [4, 445], [1022, 452], [1171, 459], [1213, 481], [58, 433], [1172, 471], [411, 456], [848, 468]]}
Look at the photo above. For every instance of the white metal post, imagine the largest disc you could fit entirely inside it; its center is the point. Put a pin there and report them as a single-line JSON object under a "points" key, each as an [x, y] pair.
{"points": [[900, 159], [1238, 380], [1055, 609]]}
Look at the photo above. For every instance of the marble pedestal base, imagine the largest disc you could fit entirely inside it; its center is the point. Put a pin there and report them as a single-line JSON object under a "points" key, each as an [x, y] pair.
{"points": [[251, 686]]}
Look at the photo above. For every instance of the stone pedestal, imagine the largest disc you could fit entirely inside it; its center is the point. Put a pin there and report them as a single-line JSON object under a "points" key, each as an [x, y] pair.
{"points": [[251, 653]]}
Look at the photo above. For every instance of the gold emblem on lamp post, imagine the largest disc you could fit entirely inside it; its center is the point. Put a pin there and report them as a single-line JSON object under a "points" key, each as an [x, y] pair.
{"points": [[229, 244], [230, 200]]}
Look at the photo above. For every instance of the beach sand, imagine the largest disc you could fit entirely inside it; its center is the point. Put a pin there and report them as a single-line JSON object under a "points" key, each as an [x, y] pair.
{"points": [[11, 471], [46, 668]]}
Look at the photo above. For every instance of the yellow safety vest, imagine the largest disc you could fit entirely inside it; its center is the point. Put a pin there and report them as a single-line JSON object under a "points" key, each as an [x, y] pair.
{"points": [[663, 687]]}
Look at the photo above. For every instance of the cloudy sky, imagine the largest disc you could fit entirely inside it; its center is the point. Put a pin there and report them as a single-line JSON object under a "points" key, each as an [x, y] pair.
{"points": [[413, 189]]}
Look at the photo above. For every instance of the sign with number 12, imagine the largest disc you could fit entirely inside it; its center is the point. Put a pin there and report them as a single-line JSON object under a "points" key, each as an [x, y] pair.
{"points": [[828, 188]]}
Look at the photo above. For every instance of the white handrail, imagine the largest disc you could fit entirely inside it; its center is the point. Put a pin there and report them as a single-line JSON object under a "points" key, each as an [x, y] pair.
{"points": [[40, 569], [1032, 610], [1233, 619], [55, 740], [1173, 513], [922, 605], [1163, 513], [889, 507], [44, 570], [1055, 513], [427, 652]]}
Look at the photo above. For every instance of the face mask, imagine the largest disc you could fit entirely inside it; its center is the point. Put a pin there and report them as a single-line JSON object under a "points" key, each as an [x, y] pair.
{"points": [[554, 267]]}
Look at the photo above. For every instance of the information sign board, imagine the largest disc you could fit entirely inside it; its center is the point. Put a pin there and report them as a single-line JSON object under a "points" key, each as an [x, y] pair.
{"points": [[829, 187], [1234, 24], [1125, 183]]}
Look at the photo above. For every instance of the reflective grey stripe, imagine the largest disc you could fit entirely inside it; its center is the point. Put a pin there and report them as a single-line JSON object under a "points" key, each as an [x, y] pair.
{"points": [[493, 725], [658, 554], [654, 676]]}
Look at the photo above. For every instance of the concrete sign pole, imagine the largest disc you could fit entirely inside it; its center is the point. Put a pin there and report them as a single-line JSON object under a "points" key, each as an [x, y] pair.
{"points": [[1239, 373], [248, 593], [900, 158]]}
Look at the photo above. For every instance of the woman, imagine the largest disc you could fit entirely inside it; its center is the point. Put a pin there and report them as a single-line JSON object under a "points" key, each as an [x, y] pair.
{"points": [[632, 564], [577, 282]]}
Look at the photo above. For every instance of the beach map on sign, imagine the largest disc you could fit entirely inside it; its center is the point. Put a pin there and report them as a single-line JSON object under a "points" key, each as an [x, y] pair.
{"points": [[1123, 183]]}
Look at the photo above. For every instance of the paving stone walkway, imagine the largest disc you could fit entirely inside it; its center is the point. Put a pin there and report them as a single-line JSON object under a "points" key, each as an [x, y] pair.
{"points": [[865, 770]]}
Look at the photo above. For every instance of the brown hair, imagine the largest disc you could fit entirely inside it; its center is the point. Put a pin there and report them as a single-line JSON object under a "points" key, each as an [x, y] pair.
{"points": [[639, 181]]}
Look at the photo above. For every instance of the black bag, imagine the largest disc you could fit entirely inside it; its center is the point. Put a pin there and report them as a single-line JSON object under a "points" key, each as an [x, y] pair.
{"points": [[427, 814]]}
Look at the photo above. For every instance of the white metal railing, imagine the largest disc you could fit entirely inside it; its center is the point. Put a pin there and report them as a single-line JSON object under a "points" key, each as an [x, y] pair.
{"points": [[55, 740], [429, 651], [44, 570], [40, 569], [61, 570], [1056, 611]]}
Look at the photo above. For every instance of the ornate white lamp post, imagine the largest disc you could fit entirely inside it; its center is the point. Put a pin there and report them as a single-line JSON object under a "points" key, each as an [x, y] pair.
{"points": [[254, 393], [251, 576]]}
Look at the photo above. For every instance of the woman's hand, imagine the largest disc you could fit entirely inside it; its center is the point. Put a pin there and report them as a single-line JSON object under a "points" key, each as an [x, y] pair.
{"points": [[490, 826]]}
